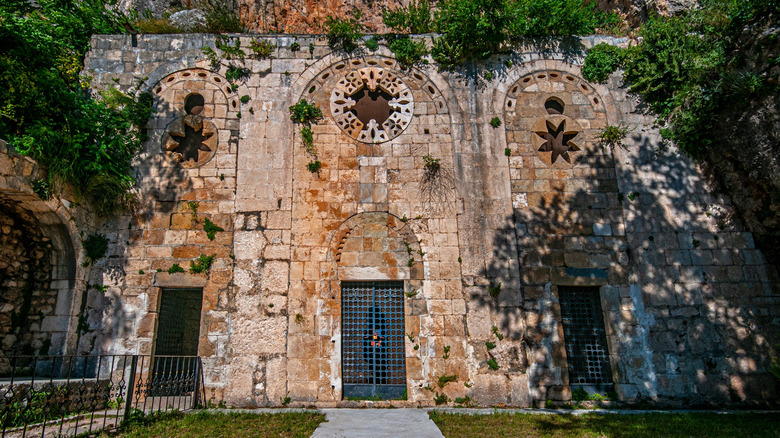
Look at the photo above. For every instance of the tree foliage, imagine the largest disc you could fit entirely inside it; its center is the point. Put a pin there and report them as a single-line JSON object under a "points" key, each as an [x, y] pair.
{"points": [[477, 29], [689, 68], [83, 140]]}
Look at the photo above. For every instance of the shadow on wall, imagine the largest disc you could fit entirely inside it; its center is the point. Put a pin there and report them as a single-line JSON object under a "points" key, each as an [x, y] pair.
{"points": [[691, 301]]}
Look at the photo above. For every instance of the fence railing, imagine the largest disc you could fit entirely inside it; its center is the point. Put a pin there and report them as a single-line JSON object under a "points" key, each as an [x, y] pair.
{"points": [[51, 396]]}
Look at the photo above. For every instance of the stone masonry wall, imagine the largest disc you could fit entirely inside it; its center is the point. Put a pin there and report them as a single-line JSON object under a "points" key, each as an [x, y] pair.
{"points": [[483, 241]]}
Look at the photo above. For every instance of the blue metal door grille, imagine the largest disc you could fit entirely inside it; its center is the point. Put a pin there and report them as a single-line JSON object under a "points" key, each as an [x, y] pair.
{"points": [[584, 335], [373, 359]]}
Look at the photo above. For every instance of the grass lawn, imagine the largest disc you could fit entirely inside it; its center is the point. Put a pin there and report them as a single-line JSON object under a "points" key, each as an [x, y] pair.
{"points": [[206, 424], [594, 425]]}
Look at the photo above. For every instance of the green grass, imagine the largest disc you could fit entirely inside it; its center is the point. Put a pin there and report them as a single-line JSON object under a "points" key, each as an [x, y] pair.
{"points": [[215, 425], [594, 425]]}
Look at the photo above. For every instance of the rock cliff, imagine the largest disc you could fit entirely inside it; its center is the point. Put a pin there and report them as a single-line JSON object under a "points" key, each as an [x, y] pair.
{"points": [[308, 16]]}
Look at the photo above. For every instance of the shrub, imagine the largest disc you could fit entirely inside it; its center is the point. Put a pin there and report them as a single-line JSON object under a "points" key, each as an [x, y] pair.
{"points": [[407, 51], [221, 16], [372, 44], [245, 98], [95, 247], [602, 60], [473, 29], [295, 46], [343, 34], [304, 112], [414, 18], [539, 18], [149, 24], [477, 29], [85, 141], [495, 122]]}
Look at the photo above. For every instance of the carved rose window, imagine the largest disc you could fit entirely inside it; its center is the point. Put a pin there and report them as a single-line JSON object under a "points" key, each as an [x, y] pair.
{"points": [[192, 139], [372, 105]]}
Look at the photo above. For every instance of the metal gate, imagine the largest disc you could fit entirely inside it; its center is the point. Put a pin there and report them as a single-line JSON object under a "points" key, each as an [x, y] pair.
{"points": [[178, 330], [585, 337], [373, 359]]}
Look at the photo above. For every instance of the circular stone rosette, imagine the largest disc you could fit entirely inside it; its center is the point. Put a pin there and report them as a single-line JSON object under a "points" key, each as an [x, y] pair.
{"points": [[365, 95]]}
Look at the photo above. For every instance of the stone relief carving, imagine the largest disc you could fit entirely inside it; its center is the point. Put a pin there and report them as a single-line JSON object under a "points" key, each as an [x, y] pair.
{"points": [[192, 139]]}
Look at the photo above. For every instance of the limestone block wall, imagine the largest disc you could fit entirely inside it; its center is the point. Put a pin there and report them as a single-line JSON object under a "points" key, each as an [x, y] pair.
{"points": [[484, 241]]}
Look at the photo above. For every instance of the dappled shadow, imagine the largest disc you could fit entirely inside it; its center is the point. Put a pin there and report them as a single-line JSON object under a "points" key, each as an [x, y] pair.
{"points": [[687, 298]]}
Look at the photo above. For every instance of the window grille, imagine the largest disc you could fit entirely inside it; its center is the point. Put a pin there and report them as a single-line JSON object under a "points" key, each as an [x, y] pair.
{"points": [[584, 335], [373, 358]]}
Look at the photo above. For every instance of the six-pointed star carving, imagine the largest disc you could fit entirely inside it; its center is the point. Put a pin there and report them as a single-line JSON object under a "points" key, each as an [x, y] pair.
{"points": [[193, 137], [556, 139]]}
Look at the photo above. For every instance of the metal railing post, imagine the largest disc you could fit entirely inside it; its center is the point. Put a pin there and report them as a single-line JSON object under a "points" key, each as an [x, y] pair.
{"points": [[196, 389], [130, 387]]}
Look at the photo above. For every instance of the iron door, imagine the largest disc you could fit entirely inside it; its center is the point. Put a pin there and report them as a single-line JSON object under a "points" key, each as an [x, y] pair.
{"points": [[373, 359]]}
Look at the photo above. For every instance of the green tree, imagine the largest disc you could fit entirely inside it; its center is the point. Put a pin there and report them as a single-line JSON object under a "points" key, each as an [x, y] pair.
{"points": [[83, 140]]}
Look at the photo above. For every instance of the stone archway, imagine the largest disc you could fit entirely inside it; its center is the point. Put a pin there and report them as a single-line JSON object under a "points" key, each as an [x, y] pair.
{"points": [[38, 267]]}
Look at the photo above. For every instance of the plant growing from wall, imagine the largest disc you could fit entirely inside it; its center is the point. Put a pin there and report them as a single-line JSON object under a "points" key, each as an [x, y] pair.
{"points": [[214, 60], [508, 152], [305, 112], [432, 166], [201, 264], [445, 379], [494, 289], [230, 47], [295, 46], [235, 73], [307, 138], [211, 228], [175, 268], [372, 43], [263, 49], [344, 33], [492, 364], [495, 122], [314, 166], [446, 352], [490, 345], [497, 333], [441, 399], [95, 247], [612, 136], [41, 188]]}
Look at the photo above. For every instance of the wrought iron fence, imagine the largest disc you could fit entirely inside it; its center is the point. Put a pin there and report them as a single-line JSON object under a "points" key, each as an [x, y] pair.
{"points": [[52, 396]]}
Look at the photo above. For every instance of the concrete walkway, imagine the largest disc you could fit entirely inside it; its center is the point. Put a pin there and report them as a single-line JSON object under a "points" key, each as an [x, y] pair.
{"points": [[376, 423]]}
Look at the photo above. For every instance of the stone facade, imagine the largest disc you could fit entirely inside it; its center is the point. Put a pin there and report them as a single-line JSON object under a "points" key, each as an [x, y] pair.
{"points": [[484, 241]]}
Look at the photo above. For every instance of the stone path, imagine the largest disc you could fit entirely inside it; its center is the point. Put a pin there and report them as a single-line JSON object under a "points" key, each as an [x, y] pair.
{"points": [[376, 423]]}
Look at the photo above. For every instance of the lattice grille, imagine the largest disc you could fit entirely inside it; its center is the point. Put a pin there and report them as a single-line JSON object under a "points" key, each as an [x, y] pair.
{"points": [[373, 359], [585, 337]]}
